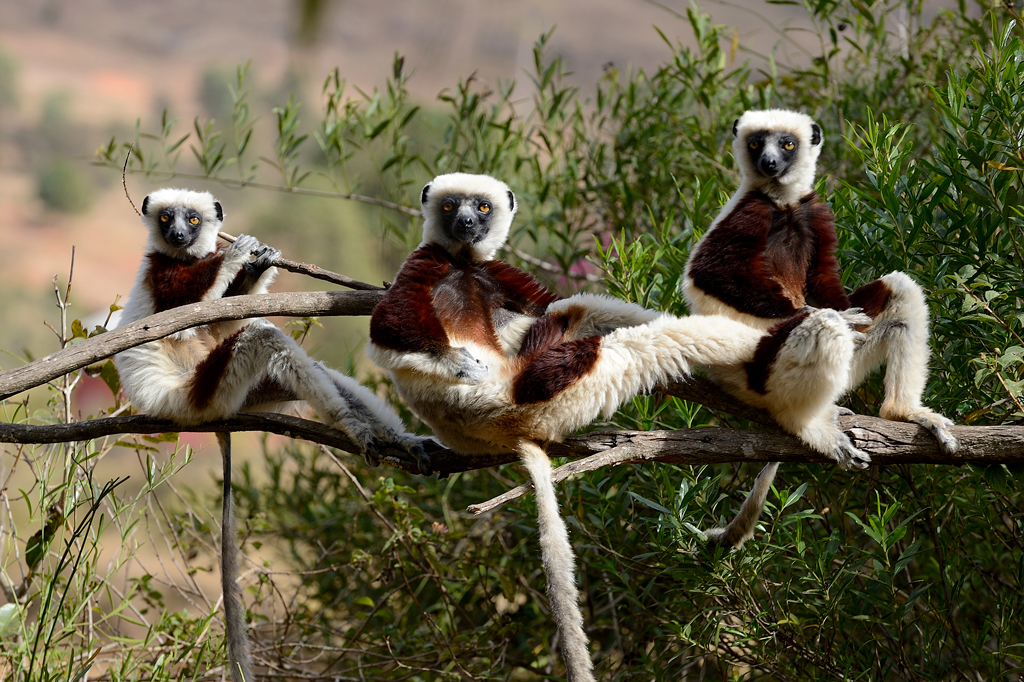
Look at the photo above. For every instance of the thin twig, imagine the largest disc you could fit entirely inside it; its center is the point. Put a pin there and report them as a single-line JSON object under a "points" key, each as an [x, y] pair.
{"points": [[124, 173], [314, 271]]}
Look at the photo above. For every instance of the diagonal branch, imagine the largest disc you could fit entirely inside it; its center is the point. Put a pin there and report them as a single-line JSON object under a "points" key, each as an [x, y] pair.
{"points": [[78, 355]]}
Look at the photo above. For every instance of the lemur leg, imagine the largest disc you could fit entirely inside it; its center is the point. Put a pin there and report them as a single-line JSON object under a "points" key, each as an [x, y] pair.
{"points": [[800, 369], [260, 352], [387, 426], [898, 336]]}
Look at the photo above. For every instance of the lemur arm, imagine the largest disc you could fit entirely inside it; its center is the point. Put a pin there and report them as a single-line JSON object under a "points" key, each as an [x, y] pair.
{"points": [[405, 319], [523, 292], [824, 288], [730, 263]]}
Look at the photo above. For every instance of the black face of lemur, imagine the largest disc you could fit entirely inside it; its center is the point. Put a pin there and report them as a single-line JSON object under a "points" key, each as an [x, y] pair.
{"points": [[179, 225], [772, 152], [466, 218]]}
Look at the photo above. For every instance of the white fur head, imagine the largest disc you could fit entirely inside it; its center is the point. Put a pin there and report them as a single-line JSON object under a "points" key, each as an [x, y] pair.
{"points": [[777, 151], [182, 223], [467, 215]]}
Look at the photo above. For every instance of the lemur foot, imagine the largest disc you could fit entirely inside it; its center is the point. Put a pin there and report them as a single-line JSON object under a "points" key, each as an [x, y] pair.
{"points": [[849, 457], [842, 412], [856, 317], [421, 451], [937, 424]]}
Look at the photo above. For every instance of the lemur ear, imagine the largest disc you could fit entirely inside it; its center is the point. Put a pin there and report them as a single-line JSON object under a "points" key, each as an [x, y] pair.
{"points": [[145, 205], [735, 127], [424, 193], [815, 134], [220, 211], [511, 201]]}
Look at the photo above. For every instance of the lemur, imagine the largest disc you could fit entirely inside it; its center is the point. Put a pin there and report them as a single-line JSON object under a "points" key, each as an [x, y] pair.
{"points": [[766, 259], [494, 362], [217, 370]]}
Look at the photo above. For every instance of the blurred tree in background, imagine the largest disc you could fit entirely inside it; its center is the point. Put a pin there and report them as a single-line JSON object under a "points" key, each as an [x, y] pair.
{"points": [[898, 573]]}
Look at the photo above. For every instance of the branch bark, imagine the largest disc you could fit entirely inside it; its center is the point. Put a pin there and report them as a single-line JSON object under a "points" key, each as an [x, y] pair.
{"points": [[887, 442], [88, 351]]}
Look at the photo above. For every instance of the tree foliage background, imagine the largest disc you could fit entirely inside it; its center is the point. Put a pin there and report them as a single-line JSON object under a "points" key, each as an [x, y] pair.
{"points": [[897, 573]]}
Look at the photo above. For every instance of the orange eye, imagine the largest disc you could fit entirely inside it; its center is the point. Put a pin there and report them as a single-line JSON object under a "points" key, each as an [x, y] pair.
{"points": [[485, 207], [447, 206], [789, 146], [194, 220], [753, 144], [164, 219]]}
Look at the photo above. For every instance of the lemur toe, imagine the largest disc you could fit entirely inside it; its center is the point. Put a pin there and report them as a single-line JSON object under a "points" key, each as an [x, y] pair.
{"points": [[850, 458], [939, 427], [371, 451], [843, 411], [422, 459]]}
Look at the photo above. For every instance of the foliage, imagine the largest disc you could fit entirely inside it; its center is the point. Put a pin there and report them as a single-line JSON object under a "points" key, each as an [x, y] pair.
{"points": [[899, 573]]}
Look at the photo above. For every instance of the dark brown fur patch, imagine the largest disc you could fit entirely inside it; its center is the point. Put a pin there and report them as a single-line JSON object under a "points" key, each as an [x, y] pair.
{"points": [[437, 296], [765, 260], [546, 332], [241, 284], [174, 282], [767, 350], [464, 301], [553, 370], [207, 377], [523, 293], [872, 297], [824, 288], [404, 320], [267, 390]]}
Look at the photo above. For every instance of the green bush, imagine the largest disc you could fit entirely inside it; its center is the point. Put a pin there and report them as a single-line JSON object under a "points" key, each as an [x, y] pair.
{"points": [[899, 573]]}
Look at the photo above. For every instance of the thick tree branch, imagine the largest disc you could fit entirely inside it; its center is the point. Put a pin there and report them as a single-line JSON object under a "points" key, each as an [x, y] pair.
{"points": [[887, 442], [88, 351]]}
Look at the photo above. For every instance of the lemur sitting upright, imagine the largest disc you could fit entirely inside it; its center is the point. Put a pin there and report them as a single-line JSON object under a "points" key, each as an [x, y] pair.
{"points": [[767, 258], [217, 370]]}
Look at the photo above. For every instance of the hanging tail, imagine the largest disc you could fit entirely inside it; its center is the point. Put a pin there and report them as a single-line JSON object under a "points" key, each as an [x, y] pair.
{"points": [[239, 656], [741, 528], [559, 567]]}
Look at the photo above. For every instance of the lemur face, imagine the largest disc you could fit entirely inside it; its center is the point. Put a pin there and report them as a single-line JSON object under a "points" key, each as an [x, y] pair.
{"points": [[179, 225], [465, 218], [467, 215], [182, 222], [772, 152]]}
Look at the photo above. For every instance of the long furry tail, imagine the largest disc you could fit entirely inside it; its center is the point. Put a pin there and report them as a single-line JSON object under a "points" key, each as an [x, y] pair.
{"points": [[239, 656], [741, 528], [559, 567]]}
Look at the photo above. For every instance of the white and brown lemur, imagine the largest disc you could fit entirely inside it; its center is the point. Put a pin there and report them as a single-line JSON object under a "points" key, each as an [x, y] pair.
{"points": [[494, 362], [217, 370], [768, 261]]}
